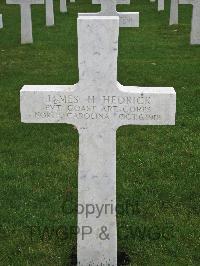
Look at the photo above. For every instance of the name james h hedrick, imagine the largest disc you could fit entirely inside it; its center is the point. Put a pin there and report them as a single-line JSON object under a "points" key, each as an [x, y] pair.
{"points": [[122, 107]]}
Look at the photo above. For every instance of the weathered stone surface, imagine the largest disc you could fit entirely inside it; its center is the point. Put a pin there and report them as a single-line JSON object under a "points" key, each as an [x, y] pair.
{"points": [[26, 20], [97, 105]]}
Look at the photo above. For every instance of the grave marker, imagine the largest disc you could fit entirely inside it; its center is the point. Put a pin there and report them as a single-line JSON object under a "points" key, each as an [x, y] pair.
{"points": [[195, 33], [161, 5], [1, 21], [174, 12], [108, 8], [97, 105], [63, 6], [49, 13], [26, 20], [118, 2]]}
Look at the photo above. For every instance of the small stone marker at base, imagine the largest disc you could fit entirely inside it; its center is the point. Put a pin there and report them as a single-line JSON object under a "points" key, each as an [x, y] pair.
{"points": [[26, 20], [63, 6], [174, 12], [97, 106], [161, 5], [1, 21], [108, 8], [195, 33], [49, 13]]}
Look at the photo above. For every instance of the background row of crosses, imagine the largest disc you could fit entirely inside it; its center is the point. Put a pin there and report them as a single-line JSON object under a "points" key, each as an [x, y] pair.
{"points": [[107, 8], [26, 21], [195, 32]]}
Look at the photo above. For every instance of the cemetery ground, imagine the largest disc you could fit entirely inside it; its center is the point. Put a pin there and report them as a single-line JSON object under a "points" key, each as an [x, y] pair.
{"points": [[157, 166]]}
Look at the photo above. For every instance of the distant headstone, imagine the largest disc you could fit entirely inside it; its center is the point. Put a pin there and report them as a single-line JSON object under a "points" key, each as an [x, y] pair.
{"points": [[174, 12], [152, 1], [161, 5], [26, 20], [118, 2], [97, 106], [195, 33], [49, 13], [108, 8], [63, 6], [1, 21]]}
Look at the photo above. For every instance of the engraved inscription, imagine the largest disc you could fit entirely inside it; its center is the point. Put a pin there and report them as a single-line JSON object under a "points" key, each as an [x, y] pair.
{"points": [[105, 107], [126, 21]]}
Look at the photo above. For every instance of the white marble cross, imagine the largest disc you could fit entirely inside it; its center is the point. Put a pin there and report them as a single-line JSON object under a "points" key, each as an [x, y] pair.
{"points": [[174, 12], [63, 6], [108, 8], [1, 21], [161, 5], [26, 20], [195, 33], [49, 13], [97, 106]]}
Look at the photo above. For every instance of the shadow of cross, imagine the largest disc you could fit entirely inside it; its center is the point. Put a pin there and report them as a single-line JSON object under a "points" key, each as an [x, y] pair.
{"points": [[26, 20], [108, 8], [97, 105], [195, 33]]}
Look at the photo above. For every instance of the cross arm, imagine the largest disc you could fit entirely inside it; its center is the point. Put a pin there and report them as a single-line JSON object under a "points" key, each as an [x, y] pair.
{"points": [[185, 2], [13, 2], [126, 19], [108, 8], [146, 106], [47, 103], [72, 105], [129, 19], [37, 2], [19, 2], [118, 2]]}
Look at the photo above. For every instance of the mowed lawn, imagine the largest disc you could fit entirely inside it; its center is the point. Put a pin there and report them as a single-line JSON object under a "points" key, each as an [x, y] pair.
{"points": [[158, 184]]}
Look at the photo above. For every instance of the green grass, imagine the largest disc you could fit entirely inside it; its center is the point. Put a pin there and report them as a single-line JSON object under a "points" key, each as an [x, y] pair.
{"points": [[157, 167]]}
